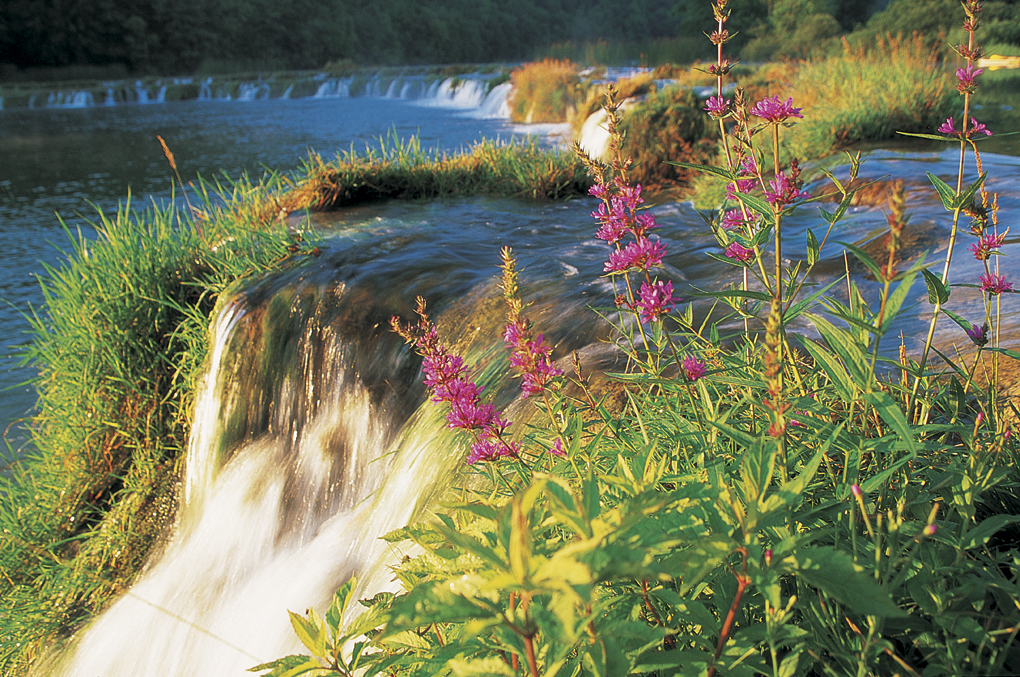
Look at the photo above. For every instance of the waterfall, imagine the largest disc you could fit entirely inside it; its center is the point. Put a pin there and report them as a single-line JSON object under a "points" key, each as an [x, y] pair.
{"points": [[306, 448]]}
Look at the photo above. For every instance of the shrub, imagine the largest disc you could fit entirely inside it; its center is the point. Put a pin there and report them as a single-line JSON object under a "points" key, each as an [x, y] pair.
{"points": [[544, 91], [669, 126]]}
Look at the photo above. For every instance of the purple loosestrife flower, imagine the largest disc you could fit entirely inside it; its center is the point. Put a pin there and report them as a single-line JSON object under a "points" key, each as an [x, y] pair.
{"points": [[965, 79], [995, 284], [693, 368], [986, 244], [773, 110], [747, 174], [739, 252], [975, 128], [979, 335], [642, 254], [444, 376], [717, 106], [655, 300], [783, 191]]}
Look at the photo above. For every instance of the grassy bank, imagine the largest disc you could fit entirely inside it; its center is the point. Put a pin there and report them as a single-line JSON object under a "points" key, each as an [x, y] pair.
{"points": [[122, 340]]}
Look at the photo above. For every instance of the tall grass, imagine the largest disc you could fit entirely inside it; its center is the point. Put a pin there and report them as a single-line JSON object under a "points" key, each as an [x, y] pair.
{"points": [[402, 169]]}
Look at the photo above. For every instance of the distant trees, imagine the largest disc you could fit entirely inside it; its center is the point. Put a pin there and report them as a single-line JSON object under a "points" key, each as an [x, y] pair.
{"points": [[179, 36]]}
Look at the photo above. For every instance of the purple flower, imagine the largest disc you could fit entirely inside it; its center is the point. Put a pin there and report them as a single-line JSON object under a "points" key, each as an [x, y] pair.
{"points": [[557, 448], [739, 252], [642, 254], [782, 192], [965, 79], [655, 300], [979, 335], [995, 284], [976, 127], [930, 529], [775, 111], [982, 249], [598, 190], [530, 357], [717, 106], [693, 368], [444, 376]]}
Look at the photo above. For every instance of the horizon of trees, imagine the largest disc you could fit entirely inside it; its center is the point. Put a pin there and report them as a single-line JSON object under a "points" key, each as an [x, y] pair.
{"points": [[169, 37]]}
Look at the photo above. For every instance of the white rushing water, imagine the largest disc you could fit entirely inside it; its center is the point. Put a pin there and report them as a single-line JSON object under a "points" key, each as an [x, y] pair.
{"points": [[276, 523]]}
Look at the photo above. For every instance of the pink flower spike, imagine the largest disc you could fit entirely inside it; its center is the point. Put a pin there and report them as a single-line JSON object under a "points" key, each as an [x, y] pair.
{"points": [[773, 110], [655, 300], [739, 252], [557, 448], [995, 284], [694, 369], [642, 254], [782, 191], [717, 106]]}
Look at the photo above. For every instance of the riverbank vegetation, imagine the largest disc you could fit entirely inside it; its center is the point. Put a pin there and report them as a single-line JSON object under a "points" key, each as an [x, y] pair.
{"points": [[122, 341], [824, 516], [765, 503]]}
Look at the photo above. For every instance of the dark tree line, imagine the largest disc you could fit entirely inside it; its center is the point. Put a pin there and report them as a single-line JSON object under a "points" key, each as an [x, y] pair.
{"points": [[177, 36]]}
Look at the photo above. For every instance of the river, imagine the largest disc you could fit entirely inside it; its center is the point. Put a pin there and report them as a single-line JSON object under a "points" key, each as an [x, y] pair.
{"points": [[65, 163]]}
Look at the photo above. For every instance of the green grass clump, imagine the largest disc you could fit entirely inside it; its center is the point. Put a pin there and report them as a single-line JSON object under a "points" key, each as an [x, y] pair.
{"points": [[403, 170], [118, 347]]}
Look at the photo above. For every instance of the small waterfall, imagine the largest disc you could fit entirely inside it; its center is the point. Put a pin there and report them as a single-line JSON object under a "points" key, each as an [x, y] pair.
{"points": [[334, 88], [496, 103], [74, 99], [205, 90], [110, 99], [142, 92], [391, 89], [250, 91], [307, 446]]}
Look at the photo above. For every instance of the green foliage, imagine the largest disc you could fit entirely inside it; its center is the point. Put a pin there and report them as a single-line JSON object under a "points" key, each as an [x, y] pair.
{"points": [[669, 126]]}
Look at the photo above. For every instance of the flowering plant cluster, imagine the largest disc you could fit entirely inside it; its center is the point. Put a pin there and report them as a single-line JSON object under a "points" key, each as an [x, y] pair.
{"points": [[444, 377], [772, 515]]}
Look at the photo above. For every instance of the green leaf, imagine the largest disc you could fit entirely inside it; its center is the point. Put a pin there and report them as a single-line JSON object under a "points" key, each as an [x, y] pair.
{"points": [[931, 137], [980, 534], [699, 559], [832, 368], [812, 247], [864, 258], [835, 573], [968, 193], [937, 292], [759, 205], [947, 194], [964, 324], [849, 351], [710, 169], [311, 631], [805, 303], [290, 666], [892, 414], [338, 607]]}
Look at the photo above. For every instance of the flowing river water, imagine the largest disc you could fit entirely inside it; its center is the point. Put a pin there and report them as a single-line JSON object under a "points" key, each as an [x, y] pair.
{"points": [[311, 437]]}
